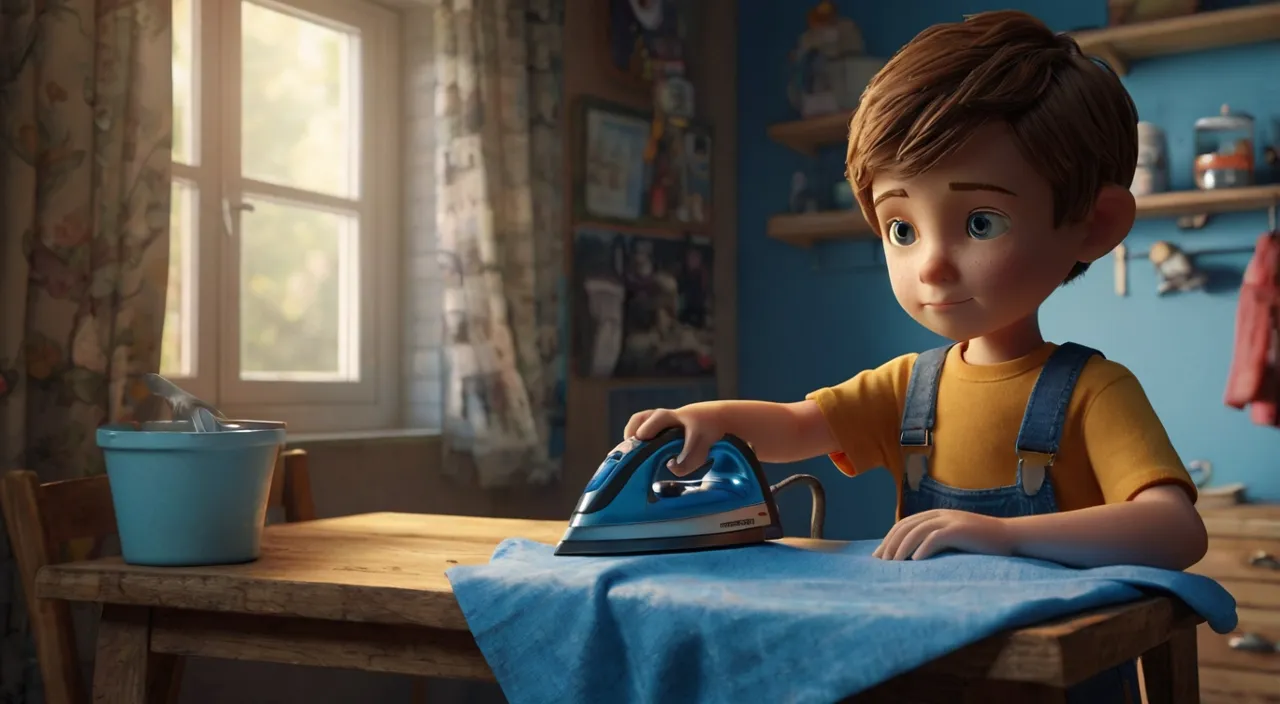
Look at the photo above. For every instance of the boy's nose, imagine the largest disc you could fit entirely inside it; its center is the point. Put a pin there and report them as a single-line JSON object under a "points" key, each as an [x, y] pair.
{"points": [[937, 266]]}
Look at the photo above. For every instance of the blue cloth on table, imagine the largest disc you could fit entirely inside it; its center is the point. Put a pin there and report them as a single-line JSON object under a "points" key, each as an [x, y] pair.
{"points": [[768, 622]]}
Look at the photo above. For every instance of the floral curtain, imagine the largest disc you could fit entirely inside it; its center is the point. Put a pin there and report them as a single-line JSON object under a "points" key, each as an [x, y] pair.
{"points": [[85, 117], [499, 222]]}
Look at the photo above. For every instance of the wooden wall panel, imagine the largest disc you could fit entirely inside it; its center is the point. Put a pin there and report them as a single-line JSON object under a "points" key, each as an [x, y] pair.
{"points": [[588, 73]]}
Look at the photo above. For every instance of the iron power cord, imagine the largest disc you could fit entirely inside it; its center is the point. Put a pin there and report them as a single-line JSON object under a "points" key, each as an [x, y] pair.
{"points": [[819, 515]]}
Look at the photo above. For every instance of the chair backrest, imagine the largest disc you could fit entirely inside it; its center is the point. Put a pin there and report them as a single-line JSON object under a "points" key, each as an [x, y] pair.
{"points": [[291, 487], [43, 519]]}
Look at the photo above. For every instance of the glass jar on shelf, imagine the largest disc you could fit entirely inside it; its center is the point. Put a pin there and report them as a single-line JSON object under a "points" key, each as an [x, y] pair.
{"points": [[1224, 150]]}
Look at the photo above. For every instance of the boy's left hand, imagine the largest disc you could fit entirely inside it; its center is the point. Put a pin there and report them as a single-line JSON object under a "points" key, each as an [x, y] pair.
{"points": [[929, 533]]}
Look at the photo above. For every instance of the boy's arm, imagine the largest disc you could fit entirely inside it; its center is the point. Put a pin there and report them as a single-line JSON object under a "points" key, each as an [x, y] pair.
{"points": [[778, 432], [1159, 528], [858, 416], [1148, 519]]}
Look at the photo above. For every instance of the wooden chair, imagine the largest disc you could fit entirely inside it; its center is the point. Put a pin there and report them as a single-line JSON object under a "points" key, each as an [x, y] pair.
{"points": [[43, 518]]}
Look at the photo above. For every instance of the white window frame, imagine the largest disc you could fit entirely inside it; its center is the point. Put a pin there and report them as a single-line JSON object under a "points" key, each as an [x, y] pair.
{"points": [[212, 266]]}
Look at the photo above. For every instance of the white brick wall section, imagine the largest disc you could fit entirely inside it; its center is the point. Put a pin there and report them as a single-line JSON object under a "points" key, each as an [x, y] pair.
{"points": [[423, 324]]}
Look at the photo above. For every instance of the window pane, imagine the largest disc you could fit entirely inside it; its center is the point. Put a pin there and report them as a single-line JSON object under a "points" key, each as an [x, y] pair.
{"points": [[184, 82], [299, 101], [298, 294], [176, 347]]}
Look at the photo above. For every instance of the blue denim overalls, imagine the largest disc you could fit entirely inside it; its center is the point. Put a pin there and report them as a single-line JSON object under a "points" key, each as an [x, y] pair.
{"points": [[1032, 493]]}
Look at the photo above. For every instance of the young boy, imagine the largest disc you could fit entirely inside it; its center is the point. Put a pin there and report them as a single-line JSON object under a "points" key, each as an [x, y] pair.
{"points": [[994, 160]]}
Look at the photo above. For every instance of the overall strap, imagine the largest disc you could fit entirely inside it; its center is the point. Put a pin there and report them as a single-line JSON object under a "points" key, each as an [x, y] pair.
{"points": [[1046, 414], [919, 412]]}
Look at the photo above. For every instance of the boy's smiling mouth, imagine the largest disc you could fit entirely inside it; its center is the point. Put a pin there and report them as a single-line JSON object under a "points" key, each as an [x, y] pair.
{"points": [[945, 304]]}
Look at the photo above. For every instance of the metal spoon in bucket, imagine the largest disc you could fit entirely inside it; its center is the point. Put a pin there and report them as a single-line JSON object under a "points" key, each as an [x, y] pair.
{"points": [[203, 415]]}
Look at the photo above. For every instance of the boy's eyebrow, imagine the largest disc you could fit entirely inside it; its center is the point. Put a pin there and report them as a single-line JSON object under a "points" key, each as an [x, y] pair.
{"points": [[962, 186], [895, 193]]}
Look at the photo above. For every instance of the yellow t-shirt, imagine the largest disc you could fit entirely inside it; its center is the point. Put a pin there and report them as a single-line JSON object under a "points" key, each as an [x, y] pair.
{"points": [[1112, 447]]}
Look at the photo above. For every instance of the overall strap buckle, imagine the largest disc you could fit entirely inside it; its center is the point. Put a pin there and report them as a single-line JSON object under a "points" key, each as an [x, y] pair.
{"points": [[919, 413], [916, 456], [1046, 413], [1033, 467]]}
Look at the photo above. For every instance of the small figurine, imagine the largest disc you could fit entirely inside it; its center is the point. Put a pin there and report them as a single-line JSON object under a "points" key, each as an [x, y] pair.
{"points": [[660, 186], [803, 199], [829, 68], [672, 103], [643, 33], [695, 179], [673, 108], [823, 15], [1175, 269]]}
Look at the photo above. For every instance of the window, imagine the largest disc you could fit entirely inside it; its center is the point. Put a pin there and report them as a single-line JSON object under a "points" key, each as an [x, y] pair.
{"points": [[283, 299]]}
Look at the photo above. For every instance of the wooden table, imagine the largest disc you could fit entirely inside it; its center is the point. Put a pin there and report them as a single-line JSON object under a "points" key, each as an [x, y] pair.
{"points": [[368, 592]]}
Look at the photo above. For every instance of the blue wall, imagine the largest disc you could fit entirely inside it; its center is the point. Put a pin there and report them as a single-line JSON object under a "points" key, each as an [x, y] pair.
{"points": [[813, 318]]}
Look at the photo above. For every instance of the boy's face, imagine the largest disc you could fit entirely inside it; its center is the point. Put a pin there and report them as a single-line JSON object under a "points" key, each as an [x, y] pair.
{"points": [[970, 244]]}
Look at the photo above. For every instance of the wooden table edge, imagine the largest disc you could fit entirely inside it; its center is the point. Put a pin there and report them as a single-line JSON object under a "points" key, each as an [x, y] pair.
{"points": [[1048, 653], [1065, 651], [1057, 654], [58, 582], [426, 651], [373, 647]]}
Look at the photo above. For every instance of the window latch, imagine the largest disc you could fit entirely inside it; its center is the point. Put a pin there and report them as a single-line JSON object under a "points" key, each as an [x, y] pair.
{"points": [[228, 207]]}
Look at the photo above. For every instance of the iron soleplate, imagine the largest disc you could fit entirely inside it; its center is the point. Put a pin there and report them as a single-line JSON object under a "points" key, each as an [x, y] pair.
{"points": [[679, 543]]}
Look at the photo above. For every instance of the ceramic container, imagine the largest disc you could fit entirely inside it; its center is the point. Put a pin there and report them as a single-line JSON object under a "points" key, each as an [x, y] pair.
{"points": [[1152, 172]]}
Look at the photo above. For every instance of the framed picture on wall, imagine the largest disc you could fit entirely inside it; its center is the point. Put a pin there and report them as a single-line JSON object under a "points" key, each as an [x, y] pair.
{"points": [[642, 305], [611, 165]]}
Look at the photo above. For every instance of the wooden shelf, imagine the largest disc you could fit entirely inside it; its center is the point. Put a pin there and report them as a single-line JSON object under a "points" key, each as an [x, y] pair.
{"points": [[1118, 46], [807, 228], [1121, 45], [1225, 200], [803, 229], [806, 136]]}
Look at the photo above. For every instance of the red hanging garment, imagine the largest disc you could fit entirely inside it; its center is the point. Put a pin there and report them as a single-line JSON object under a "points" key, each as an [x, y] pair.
{"points": [[1254, 380]]}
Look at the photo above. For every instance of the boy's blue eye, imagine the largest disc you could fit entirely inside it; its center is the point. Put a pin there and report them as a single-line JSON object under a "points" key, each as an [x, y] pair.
{"points": [[901, 233], [986, 225]]}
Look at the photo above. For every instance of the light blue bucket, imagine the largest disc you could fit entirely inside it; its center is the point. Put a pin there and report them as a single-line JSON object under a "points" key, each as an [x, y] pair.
{"points": [[188, 498]]}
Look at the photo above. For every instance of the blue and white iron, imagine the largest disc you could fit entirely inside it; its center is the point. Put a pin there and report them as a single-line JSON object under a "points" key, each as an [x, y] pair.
{"points": [[627, 508]]}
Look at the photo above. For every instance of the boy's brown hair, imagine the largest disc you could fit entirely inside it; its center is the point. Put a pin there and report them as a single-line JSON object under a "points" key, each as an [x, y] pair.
{"points": [[1070, 116]]}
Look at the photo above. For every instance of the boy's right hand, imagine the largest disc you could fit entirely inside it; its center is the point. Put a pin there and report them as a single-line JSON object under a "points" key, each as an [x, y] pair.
{"points": [[702, 429]]}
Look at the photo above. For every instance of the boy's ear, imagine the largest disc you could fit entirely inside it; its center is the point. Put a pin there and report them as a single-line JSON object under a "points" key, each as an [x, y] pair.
{"points": [[1109, 223]]}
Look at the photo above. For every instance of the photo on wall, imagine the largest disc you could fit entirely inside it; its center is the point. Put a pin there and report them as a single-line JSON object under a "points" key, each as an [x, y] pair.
{"points": [[613, 169], [643, 306]]}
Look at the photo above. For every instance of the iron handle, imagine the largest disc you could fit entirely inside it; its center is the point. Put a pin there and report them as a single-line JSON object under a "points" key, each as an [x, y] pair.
{"points": [[1264, 559], [1251, 643]]}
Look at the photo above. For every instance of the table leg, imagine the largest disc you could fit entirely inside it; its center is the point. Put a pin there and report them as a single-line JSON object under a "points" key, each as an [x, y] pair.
{"points": [[1171, 670], [164, 678], [125, 671]]}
